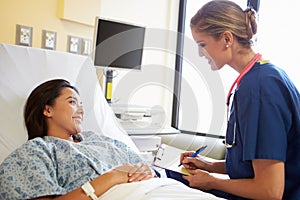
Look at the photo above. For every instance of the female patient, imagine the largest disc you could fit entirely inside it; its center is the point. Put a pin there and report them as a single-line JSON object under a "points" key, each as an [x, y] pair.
{"points": [[57, 161]]}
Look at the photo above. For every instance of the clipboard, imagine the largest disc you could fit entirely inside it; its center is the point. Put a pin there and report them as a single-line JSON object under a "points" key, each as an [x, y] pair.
{"points": [[167, 158]]}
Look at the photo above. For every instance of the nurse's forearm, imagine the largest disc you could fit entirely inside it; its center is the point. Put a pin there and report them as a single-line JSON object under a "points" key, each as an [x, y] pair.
{"points": [[268, 181], [246, 188]]}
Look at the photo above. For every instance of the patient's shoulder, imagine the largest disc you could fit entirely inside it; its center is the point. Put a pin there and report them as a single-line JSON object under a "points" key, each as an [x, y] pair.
{"points": [[95, 137]]}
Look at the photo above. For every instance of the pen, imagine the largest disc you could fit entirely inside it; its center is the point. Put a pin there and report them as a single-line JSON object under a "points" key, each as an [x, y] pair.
{"points": [[196, 153]]}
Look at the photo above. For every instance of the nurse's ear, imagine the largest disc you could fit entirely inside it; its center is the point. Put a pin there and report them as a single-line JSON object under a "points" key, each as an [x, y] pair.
{"points": [[47, 111], [227, 37]]}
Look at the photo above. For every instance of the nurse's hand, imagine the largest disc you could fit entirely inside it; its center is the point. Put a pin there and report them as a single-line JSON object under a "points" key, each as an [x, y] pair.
{"points": [[193, 163], [199, 179]]}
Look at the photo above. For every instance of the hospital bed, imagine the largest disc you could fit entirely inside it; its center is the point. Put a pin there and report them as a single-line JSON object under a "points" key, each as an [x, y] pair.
{"points": [[23, 68]]}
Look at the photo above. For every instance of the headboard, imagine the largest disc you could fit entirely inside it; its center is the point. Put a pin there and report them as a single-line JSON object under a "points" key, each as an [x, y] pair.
{"points": [[23, 68]]}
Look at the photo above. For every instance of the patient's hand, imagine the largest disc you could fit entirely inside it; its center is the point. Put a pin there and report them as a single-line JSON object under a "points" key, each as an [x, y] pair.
{"points": [[121, 173], [132, 173], [140, 172]]}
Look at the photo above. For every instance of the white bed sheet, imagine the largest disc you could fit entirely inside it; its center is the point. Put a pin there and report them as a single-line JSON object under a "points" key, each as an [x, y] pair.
{"points": [[153, 189]]}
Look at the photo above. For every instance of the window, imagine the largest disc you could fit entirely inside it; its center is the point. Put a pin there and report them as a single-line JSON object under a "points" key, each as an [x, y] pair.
{"points": [[278, 35]]}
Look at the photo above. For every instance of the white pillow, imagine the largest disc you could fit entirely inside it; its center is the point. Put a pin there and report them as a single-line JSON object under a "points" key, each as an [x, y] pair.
{"points": [[23, 68]]}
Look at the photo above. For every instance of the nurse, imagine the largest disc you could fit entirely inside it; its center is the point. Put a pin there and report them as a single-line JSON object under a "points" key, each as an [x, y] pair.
{"points": [[263, 133]]}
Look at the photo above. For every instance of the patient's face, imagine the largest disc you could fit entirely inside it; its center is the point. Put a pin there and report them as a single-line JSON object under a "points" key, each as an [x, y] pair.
{"points": [[66, 115]]}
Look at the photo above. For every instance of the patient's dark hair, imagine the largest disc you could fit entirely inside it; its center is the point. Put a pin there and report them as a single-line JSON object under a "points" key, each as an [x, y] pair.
{"points": [[42, 95]]}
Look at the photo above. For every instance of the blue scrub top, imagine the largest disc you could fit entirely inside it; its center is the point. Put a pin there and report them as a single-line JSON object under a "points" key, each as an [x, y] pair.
{"points": [[267, 117]]}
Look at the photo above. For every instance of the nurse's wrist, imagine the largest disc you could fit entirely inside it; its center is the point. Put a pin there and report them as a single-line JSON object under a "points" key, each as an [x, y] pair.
{"points": [[216, 167], [204, 165], [209, 166]]}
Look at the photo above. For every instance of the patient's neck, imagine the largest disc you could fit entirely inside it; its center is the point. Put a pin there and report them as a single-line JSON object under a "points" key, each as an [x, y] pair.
{"points": [[64, 136]]}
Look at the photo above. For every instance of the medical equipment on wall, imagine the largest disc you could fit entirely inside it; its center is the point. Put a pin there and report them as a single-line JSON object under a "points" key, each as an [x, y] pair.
{"points": [[142, 120]]}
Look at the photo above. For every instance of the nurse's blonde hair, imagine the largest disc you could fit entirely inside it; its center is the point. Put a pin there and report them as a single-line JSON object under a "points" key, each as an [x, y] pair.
{"points": [[218, 16]]}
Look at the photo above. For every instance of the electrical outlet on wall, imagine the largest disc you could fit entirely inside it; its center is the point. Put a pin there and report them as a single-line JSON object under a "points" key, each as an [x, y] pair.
{"points": [[74, 44], [48, 39], [86, 46], [23, 35]]}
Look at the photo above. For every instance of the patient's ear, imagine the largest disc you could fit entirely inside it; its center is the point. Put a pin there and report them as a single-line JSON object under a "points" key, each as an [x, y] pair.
{"points": [[47, 111]]}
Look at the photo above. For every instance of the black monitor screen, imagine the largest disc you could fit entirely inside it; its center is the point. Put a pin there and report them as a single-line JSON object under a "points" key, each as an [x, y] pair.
{"points": [[118, 44]]}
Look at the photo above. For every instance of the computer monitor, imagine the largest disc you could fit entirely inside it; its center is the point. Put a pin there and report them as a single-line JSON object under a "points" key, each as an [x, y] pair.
{"points": [[118, 44]]}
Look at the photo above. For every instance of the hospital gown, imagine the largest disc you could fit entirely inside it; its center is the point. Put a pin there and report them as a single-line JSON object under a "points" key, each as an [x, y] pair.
{"points": [[53, 166]]}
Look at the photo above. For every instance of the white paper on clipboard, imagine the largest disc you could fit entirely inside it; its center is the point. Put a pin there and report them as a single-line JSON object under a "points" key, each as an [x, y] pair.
{"points": [[168, 157]]}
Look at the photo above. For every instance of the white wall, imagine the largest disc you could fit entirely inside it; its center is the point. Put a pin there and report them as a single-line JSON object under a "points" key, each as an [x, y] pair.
{"points": [[152, 86], [278, 35]]}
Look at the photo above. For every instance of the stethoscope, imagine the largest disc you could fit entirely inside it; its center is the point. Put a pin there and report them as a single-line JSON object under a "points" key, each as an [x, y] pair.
{"points": [[236, 83]]}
